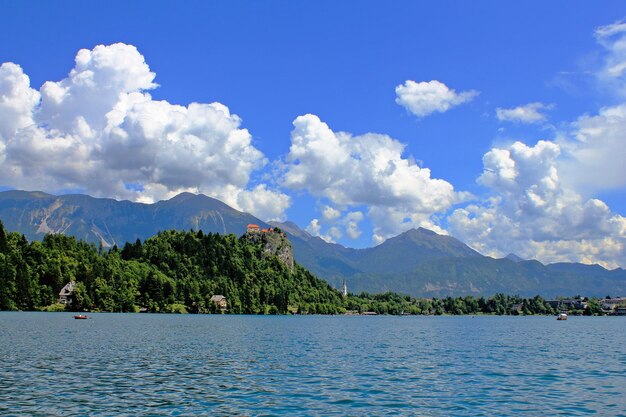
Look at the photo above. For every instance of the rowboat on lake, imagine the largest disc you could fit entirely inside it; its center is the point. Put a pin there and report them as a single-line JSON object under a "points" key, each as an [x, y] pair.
{"points": [[561, 316], [81, 316]]}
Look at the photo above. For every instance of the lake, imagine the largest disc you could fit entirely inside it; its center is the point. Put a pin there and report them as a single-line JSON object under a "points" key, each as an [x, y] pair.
{"points": [[149, 364]]}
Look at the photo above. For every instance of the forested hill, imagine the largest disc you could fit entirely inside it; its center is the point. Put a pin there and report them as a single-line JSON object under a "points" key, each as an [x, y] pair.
{"points": [[172, 271]]}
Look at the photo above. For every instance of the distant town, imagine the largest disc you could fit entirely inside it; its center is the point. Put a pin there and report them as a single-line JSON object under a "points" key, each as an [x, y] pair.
{"points": [[609, 306]]}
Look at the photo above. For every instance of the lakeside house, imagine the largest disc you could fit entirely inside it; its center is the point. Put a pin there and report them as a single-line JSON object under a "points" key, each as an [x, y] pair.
{"points": [[611, 305], [220, 301], [65, 295], [579, 303]]}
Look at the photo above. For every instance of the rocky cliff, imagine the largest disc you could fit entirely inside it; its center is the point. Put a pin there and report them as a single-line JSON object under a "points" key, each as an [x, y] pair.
{"points": [[275, 243]]}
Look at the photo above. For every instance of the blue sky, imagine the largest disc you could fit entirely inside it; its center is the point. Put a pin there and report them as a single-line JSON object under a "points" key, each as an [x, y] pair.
{"points": [[432, 97]]}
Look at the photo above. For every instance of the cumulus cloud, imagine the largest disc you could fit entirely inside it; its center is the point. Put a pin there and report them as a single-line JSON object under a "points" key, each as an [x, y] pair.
{"points": [[99, 131], [367, 170], [424, 98], [314, 227], [531, 212], [94, 86], [330, 213], [595, 151], [351, 223], [17, 100], [264, 203], [529, 113]]}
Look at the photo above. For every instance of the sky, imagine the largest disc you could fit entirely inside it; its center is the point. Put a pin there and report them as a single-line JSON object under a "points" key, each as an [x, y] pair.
{"points": [[502, 124]]}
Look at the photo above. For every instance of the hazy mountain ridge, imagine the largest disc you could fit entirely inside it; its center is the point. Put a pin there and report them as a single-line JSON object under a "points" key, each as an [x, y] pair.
{"points": [[109, 222], [422, 263], [418, 262]]}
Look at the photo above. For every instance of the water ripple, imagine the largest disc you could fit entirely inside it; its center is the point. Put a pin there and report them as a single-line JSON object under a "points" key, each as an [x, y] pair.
{"points": [[168, 365]]}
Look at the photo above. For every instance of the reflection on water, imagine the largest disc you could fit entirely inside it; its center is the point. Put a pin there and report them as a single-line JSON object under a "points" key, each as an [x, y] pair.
{"points": [[142, 364]]}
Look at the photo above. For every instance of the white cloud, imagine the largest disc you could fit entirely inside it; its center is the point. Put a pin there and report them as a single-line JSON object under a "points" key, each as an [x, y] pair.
{"points": [[529, 113], [595, 151], [98, 131], [531, 213], [334, 233], [98, 80], [424, 98], [315, 229], [352, 221], [337, 223], [17, 100], [330, 213], [613, 38], [353, 231], [593, 147], [264, 203], [367, 170]]}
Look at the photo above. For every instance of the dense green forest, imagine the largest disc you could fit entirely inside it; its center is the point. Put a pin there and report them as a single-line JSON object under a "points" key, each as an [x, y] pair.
{"points": [[180, 271], [172, 271]]}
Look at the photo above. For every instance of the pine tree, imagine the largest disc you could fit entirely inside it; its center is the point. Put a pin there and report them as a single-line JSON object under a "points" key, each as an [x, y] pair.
{"points": [[3, 239]]}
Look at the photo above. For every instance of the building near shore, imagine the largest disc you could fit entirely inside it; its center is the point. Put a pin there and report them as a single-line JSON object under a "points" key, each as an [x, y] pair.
{"points": [[220, 301], [65, 295]]}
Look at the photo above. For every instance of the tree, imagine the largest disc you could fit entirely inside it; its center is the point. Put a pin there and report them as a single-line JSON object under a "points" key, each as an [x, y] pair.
{"points": [[80, 298], [3, 239], [7, 283], [593, 308]]}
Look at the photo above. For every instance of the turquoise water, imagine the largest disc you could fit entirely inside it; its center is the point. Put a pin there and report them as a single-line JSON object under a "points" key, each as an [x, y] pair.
{"points": [[142, 364]]}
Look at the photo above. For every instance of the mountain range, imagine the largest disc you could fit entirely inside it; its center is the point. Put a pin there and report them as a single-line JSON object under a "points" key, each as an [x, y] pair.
{"points": [[418, 262]]}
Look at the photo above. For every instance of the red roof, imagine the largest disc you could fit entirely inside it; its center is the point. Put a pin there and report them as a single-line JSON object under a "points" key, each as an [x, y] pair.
{"points": [[253, 226]]}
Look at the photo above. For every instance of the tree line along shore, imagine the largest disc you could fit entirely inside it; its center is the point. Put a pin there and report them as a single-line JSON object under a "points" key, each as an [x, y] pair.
{"points": [[193, 272]]}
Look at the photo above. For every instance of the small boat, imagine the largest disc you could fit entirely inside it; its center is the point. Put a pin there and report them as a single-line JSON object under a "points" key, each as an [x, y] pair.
{"points": [[561, 316], [81, 316]]}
